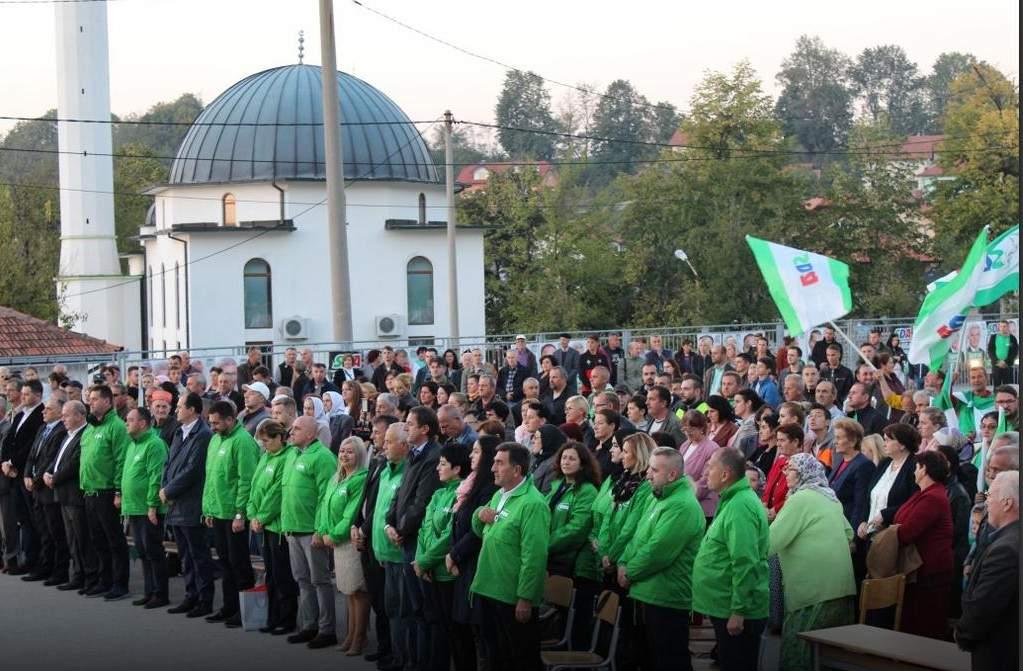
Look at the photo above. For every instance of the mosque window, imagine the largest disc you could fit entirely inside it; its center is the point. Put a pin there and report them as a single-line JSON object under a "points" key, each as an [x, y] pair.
{"points": [[258, 306], [422, 209], [230, 210], [420, 291]]}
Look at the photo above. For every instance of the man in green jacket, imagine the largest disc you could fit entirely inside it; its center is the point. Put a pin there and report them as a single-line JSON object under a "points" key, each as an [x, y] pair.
{"points": [[515, 528], [140, 503], [230, 462], [730, 577], [103, 446], [307, 475], [658, 565], [390, 553]]}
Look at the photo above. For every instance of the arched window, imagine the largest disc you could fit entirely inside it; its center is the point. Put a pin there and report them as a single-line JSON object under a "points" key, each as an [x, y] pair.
{"points": [[420, 291], [230, 211], [149, 292], [163, 293], [422, 209], [177, 295], [258, 305]]}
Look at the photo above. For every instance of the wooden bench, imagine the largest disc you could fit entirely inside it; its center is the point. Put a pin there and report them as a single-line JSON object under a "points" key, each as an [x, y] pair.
{"points": [[859, 646]]}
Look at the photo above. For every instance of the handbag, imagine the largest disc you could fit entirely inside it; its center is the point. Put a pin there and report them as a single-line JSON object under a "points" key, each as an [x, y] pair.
{"points": [[254, 607]]}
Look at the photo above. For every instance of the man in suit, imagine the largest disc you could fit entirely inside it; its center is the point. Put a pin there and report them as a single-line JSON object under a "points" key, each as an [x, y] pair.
{"points": [[989, 626], [286, 369], [62, 476], [16, 506], [53, 553], [713, 374], [568, 358], [181, 491], [255, 359], [510, 378]]}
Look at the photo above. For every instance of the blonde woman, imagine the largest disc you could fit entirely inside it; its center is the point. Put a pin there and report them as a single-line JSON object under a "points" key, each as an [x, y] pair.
{"points": [[335, 516], [873, 447]]}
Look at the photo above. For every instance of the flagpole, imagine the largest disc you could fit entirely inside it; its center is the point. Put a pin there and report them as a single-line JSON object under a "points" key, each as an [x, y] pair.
{"points": [[853, 345]]}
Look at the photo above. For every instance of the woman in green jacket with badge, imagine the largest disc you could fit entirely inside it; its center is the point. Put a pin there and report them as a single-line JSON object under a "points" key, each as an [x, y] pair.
{"points": [[576, 476], [334, 520]]}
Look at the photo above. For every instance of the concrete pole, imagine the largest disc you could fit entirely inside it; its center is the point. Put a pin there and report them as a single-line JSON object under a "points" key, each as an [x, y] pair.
{"points": [[449, 179], [337, 226]]}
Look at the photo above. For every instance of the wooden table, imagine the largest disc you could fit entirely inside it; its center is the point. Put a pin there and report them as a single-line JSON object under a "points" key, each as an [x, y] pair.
{"points": [[859, 646]]}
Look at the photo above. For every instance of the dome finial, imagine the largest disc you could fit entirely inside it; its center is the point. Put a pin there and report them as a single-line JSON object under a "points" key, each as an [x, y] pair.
{"points": [[301, 48]]}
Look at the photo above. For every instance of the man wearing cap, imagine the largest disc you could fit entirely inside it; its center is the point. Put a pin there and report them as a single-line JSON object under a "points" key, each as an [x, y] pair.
{"points": [[526, 357], [257, 395]]}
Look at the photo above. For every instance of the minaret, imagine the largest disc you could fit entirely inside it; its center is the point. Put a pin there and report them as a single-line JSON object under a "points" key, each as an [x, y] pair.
{"points": [[100, 300]]}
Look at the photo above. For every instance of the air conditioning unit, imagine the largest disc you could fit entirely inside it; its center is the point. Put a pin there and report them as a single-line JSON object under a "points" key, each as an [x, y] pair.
{"points": [[295, 328], [390, 326]]}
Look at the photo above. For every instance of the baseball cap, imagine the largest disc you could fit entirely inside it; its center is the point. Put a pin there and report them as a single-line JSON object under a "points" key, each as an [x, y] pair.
{"points": [[520, 337], [258, 387]]}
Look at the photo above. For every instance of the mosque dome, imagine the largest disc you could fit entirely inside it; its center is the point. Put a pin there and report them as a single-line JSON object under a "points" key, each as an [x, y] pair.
{"points": [[285, 137]]}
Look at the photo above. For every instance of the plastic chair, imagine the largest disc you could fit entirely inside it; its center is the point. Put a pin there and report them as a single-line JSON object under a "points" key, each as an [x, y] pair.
{"points": [[559, 593], [608, 615], [883, 593]]}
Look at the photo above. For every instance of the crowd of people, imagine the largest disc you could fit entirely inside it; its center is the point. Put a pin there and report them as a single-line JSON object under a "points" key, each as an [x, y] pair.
{"points": [[439, 493]]}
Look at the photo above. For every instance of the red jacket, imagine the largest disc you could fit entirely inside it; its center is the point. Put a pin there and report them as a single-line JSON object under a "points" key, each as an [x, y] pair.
{"points": [[926, 521], [777, 487]]}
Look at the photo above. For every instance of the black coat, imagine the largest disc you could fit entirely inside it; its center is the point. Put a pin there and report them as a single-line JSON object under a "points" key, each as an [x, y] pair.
{"points": [[851, 488], [65, 477], [518, 375], [285, 373], [903, 487], [184, 476], [465, 551], [417, 486], [364, 516], [819, 355], [39, 459], [1013, 349], [18, 443], [841, 377], [989, 626], [170, 425], [870, 418]]}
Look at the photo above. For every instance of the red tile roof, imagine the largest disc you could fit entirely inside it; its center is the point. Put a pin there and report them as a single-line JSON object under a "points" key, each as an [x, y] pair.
{"points": [[934, 170], [24, 335], [678, 138], [467, 174], [921, 147]]}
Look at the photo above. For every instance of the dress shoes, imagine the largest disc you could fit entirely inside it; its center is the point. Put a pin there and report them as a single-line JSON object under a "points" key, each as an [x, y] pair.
{"points": [[233, 622], [55, 581], [267, 629], [69, 586], [35, 577], [157, 602], [219, 616], [282, 629], [97, 590], [322, 641], [303, 636], [141, 602], [18, 570], [374, 656], [116, 594], [183, 607], [201, 610]]}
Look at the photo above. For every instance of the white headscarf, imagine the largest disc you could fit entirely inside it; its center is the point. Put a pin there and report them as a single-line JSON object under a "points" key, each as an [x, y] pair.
{"points": [[337, 404]]}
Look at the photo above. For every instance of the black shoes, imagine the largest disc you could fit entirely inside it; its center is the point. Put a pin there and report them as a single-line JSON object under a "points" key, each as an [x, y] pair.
{"points": [[267, 629], [233, 622], [141, 602], [201, 610], [157, 602], [116, 594], [69, 586], [185, 606], [303, 636], [55, 581], [97, 590], [282, 629], [219, 616], [322, 641]]}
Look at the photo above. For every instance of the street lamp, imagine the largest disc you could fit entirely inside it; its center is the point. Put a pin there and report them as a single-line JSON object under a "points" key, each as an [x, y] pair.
{"points": [[682, 256]]}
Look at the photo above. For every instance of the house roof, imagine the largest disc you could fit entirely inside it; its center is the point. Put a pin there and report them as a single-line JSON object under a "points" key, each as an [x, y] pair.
{"points": [[934, 170], [678, 138], [921, 147], [25, 335], [467, 174]]}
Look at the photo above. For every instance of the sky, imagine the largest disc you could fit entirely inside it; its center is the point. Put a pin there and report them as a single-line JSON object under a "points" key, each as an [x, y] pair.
{"points": [[160, 49]]}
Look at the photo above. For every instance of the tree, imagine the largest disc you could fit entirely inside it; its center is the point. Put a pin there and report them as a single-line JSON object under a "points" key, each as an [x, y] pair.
{"points": [[465, 148], [161, 140], [947, 68], [730, 113], [526, 104], [890, 89], [29, 250], [815, 105], [134, 171], [664, 121], [622, 116]]}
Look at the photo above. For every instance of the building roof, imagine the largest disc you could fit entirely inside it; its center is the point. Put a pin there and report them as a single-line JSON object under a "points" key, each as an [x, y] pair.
{"points": [[284, 106], [680, 139], [24, 335], [474, 180], [921, 147]]}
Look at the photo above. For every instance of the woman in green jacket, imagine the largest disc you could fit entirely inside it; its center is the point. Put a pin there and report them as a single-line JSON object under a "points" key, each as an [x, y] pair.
{"points": [[576, 476], [335, 516], [811, 532]]}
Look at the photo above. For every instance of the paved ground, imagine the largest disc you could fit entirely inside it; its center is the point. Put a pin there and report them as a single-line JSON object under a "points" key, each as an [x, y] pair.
{"points": [[42, 628]]}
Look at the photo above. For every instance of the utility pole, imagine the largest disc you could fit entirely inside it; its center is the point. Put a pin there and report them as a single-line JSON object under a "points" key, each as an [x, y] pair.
{"points": [[337, 222], [449, 179]]}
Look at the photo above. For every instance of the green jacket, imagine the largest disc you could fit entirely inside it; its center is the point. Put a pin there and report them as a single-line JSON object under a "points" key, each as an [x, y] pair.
{"points": [[659, 560], [338, 507], [390, 480], [265, 492], [435, 533], [230, 463], [513, 560], [571, 524], [141, 475], [620, 525], [730, 575], [307, 475], [102, 454]]}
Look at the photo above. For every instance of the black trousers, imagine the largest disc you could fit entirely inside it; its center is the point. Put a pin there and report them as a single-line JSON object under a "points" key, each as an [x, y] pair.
{"points": [[196, 563], [512, 645], [667, 631], [373, 572], [84, 562], [435, 650], [54, 522], [44, 541], [281, 588], [9, 526], [107, 536], [235, 564], [1000, 376], [738, 653], [148, 539]]}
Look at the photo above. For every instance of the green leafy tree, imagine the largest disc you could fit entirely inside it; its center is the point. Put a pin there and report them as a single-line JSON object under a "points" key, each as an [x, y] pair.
{"points": [[622, 116], [525, 103], [134, 172], [890, 89], [815, 105], [29, 250], [162, 140], [949, 66], [664, 121]]}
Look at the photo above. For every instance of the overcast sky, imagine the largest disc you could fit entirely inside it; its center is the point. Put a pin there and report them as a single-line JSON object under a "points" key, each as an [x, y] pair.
{"points": [[162, 48]]}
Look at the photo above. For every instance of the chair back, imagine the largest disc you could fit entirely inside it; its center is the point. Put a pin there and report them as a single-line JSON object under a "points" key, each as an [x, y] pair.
{"points": [[883, 593], [557, 591]]}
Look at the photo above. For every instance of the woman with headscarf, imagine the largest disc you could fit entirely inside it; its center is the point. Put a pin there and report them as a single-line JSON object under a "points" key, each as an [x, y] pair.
{"points": [[811, 532], [313, 407], [546, 442], [338, 419]]}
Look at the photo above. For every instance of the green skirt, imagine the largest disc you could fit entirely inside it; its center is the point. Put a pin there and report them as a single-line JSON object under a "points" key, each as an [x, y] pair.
{"points": [[795, 652]]}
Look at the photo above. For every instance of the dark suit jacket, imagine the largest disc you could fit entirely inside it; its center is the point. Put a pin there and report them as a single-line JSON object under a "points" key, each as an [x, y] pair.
{"points": [[18, 443], [870, 418], [65, 478], [989, 626], [569, 361], [903, 487], [185, 474], [708, 375], [364, 517], [39, 459], [417, 487], [556, 406], [285, 373], [851, 488], [518, 375]]}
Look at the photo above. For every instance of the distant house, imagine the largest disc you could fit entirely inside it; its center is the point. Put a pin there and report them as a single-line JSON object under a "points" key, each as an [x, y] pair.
{"points": [[679, 141], [23, 335], [920, 153], [475, 177]]}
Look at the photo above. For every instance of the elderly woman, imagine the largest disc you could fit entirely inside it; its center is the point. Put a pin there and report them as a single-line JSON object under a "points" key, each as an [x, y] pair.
{"points": [[925, 520], [850, 478], [313, 407], [338, 420], [696, 452], [929, 421], [334, 518], [893, 482], [812, 532], [721, 417], [635, 410]]}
